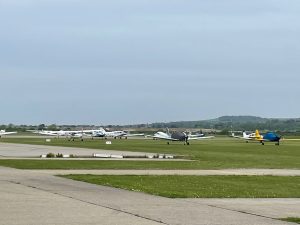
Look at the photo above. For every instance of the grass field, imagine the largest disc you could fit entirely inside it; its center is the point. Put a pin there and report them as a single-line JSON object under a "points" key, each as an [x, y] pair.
{"points": [[292, 219], [208, 154], [202, 186]]}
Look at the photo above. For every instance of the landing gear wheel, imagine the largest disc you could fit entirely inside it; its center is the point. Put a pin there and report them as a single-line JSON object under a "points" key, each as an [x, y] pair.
{"points": [[188, 143], [168, 143], [263, 143]]}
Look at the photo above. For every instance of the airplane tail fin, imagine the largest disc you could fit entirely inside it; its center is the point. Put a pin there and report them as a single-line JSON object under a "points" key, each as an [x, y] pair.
{"points": [[101, 129], [168, 131], [257, 135], [244, 134]]}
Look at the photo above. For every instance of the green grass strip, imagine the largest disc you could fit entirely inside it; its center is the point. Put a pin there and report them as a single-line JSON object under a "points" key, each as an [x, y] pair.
{"points": [[209, 154], [292, 219], [202, 186], [97, 164]]}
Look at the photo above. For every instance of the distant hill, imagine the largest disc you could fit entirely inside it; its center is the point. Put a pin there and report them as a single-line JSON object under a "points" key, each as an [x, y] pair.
{"points": [[237, 123], [224, 124], [242, 119]]}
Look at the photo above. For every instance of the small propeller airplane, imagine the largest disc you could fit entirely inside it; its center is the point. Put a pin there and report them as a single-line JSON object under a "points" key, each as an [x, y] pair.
{"points": [[268, 137], [117, 134], [178, 136], [3, 132]]}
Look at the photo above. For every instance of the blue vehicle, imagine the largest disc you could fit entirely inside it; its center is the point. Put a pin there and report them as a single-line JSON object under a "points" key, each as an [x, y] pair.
{"points": [[271, 137], [268, 137]]}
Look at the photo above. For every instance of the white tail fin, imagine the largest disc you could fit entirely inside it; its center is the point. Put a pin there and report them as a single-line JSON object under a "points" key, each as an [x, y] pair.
{"points": [[101, 129], [168, 131]]}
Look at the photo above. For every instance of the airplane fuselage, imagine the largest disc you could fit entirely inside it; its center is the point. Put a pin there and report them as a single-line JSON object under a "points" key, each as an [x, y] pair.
{"points": [[272, 137], [179, 136]]}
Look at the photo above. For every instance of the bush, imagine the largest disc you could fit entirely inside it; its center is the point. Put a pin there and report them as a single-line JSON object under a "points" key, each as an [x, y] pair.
{"points": [[59, 155], [50, 155]]}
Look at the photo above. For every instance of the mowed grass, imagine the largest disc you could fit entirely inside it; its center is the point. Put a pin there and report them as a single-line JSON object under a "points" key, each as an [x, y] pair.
{"points": [[292, 219], [99, 164], [218, 153], [201, 186]]}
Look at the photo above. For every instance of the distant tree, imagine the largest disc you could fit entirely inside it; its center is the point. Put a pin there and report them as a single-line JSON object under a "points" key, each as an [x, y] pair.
{"points": [[10, 127], [224, 132], [52, 127], [41, 127]]}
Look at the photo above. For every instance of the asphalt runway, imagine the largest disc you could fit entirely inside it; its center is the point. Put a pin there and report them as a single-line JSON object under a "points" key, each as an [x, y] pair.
{"points": [[29, 197], [23, 150]]}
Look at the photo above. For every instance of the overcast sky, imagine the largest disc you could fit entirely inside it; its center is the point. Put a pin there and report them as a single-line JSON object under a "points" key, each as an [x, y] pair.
{"points": [[138, 61]]}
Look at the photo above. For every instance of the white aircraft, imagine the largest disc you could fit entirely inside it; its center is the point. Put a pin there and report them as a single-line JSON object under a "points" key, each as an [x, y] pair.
{"points": [[3, 132], [117, 134], [178, 136], [248, 137], [76, 135], [89, 133], [62, 132], [51, 133], [72, 135]]}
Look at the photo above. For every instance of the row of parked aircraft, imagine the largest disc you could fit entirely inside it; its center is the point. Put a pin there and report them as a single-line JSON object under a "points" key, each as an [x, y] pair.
{"points": [[168, 136], [176, 136], [87, 133]]}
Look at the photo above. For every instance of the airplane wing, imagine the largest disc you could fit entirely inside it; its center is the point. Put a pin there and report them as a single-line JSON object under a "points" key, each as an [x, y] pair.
{"points": [[167, 138], [48, 134], [240, 137], [162, 138], [252, 139], [196, 135], [200, 138], [245, 138], [5, 133], [133, 135]]}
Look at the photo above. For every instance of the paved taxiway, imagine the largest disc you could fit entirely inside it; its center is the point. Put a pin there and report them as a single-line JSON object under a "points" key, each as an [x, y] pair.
{"points": [[23, 150], [30, 197]]}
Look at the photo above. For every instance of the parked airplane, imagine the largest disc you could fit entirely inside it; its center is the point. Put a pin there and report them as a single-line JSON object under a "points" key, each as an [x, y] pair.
{"points": [[247, 137], [177, 136], [48, 133], [64, 132], [3, 132], [72, 136], [95, 133], [268, 137], [118, 134]]}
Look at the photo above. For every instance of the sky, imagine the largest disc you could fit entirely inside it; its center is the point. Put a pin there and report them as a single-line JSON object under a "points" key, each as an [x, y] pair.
{"points": [[142, 61]]}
